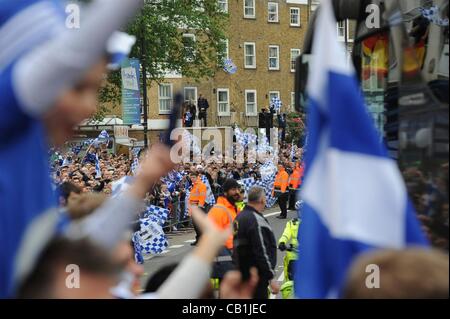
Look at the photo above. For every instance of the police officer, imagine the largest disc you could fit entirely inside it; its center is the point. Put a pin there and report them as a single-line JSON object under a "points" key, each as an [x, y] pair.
{"points": [[289, 240]]}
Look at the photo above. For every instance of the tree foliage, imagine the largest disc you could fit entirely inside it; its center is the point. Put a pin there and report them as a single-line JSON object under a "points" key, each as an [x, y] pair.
{"points": [[162, 46]]}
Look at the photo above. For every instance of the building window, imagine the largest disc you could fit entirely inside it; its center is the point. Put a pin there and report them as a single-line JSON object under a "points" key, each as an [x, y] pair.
{"points": [[165, 98], [295, 17], [251, 106], [273, 94], [226, 53], [249, 55], [223, 102], [223, 5], [249, 9], [189, 47], [294, 55], [273, 11], [190, 95], [274, 57], [341, 30]]}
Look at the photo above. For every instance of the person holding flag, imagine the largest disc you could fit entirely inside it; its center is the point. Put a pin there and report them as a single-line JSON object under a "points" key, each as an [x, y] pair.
{"points": [[354, 197], [38, 108]]}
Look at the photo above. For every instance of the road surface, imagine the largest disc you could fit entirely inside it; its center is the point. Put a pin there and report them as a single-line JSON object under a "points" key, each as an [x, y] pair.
{"points": [[180, 246]]}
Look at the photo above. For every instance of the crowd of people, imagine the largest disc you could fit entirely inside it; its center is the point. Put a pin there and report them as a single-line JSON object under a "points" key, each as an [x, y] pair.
{"points": [[78, 172], [90, 229], [429, 195]]}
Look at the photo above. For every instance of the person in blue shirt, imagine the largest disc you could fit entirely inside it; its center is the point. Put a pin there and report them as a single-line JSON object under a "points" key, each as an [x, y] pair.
{"points": [[49, 78], [188, 119]]}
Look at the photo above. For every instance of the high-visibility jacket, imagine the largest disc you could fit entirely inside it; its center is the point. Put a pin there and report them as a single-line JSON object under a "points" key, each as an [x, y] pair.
{"points": [[223, 215], [289, 237], [281, 181], [240, 206], [198, 193], [295, 179], [290, 232]]}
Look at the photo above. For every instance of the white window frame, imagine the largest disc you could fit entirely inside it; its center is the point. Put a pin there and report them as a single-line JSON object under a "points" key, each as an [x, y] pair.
{"points": [[253, 66], [294, 60], [277, 68], [269, 4], [298, 15], [227, 48], [250, 16], [196, 94], [225, 5], [340, 37], [160, 98], [190, 35], [255, 112], [227, 113]]}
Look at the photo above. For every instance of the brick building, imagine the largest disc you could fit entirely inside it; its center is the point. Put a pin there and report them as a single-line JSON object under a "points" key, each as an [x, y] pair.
{"points": [[263, 40]]}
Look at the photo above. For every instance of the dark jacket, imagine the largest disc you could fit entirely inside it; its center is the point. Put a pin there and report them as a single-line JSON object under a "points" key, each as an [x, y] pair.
{"points": [[252, 228], [202, 104], [281, 121]]}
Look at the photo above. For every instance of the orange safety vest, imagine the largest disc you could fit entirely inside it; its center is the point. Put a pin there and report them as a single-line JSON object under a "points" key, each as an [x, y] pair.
{"points": [[295, 179], [281, 181], [198, 193], [221, 213]]}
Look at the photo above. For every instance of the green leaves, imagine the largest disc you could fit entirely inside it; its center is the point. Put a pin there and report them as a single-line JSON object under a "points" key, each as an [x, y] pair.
{"points": [[185, 36]]}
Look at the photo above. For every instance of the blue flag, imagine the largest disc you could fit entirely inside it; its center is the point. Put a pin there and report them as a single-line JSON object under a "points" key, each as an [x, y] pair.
{"points": [[354, 197], [98, 172]]}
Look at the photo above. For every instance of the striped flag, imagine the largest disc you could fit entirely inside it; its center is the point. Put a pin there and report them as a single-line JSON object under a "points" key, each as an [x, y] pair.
{"points": [[354, 197]]}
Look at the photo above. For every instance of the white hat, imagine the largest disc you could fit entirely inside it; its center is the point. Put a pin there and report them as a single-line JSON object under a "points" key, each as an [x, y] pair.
{"points": [[199, 167]]}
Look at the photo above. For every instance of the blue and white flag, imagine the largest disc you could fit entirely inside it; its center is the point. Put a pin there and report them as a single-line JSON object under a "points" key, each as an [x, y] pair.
{"points": [[103, 138], [276, 104], [89, 142], [210, 199], [98, 172], [247, 183], [354, 197], [77, 149], [245, 139], [121, 185], [265, 151], [267, 184], [293, 151], [135, 163], [191, 142], [135, 151], [268, 169], [432, 14], [119, 47], [150, 239], [157, 214], [229, 66], [135, 166], [186, 203], [138, 249]]}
